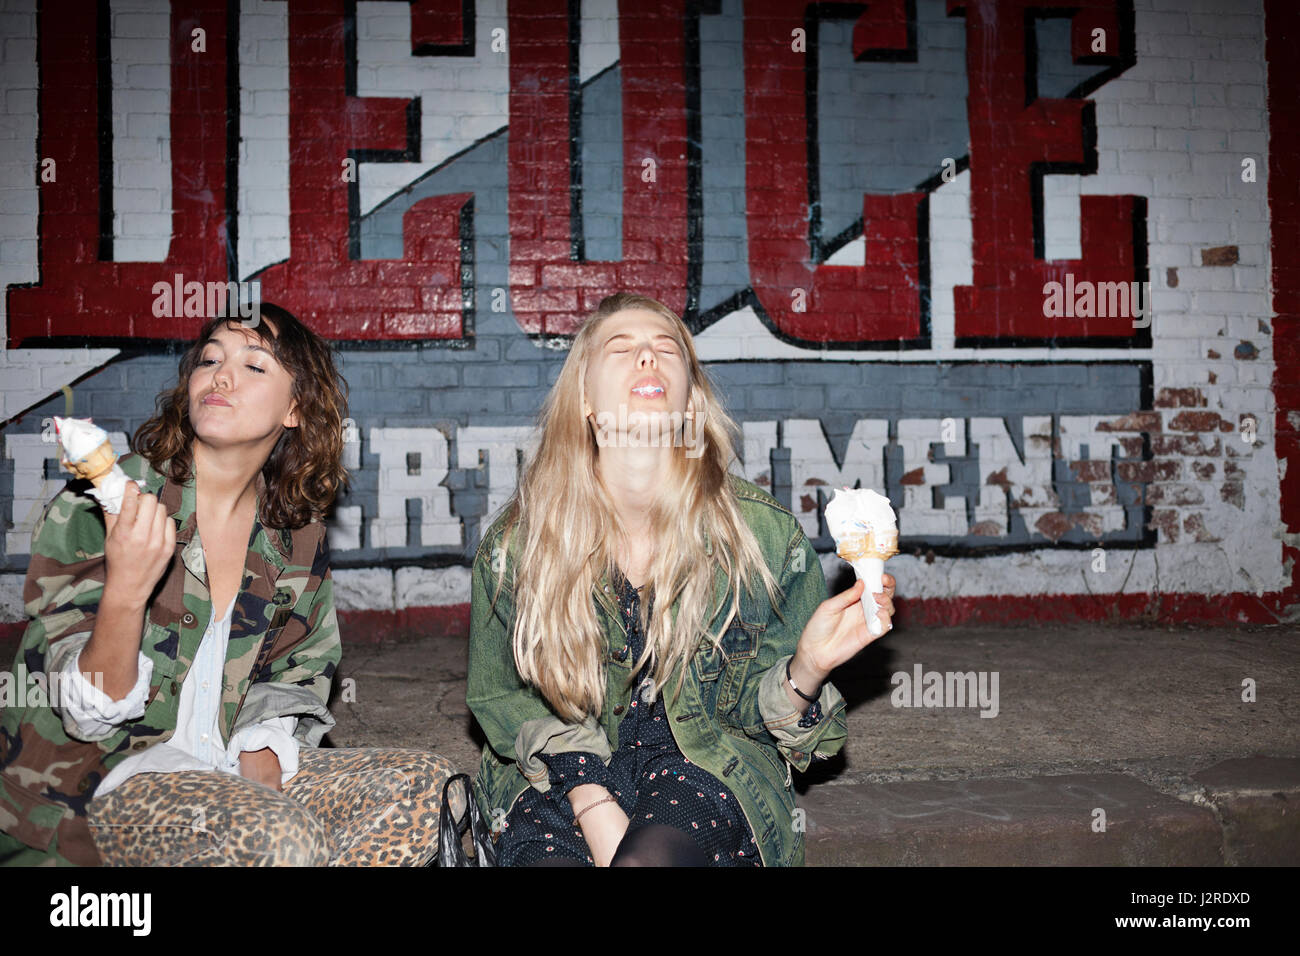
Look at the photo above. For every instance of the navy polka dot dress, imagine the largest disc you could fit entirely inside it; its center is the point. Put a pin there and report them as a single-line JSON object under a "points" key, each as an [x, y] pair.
{"points": [[648, 775]]}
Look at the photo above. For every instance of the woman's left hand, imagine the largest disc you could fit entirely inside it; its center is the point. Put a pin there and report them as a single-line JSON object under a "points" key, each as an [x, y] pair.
{"points": [[261, 766], [838, 628]]}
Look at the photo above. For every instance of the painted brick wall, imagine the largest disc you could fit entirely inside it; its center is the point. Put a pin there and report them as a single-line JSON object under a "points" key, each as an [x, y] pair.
{"points": [[858, 215]]}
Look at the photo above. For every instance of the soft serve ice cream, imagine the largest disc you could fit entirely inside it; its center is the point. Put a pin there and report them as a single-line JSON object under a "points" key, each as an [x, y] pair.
{"points": [[88, 453], [866, 535]]}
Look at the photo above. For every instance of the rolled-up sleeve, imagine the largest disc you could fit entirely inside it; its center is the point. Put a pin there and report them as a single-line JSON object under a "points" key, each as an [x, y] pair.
{"points": [[87, 712], [544, 737], [782, 722]]}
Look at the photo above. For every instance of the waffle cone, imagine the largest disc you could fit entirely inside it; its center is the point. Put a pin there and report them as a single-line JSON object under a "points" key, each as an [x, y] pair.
{"points": [[870, 545], [94, 466]]}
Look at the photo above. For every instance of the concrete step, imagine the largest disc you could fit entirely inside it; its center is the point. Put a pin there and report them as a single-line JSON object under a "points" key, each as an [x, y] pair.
{"points": [[1243, 813]]}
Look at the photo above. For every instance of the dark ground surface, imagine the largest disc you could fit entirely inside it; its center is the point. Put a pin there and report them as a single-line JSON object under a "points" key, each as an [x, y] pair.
{"points": [[1113, 744]]}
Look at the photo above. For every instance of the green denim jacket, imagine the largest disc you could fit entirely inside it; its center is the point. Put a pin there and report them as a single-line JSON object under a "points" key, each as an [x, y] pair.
{"points": [[282, 653], [732, 718]]}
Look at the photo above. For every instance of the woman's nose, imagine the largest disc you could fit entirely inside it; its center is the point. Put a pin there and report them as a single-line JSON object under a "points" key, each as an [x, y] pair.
{"points": [[647, 356]]}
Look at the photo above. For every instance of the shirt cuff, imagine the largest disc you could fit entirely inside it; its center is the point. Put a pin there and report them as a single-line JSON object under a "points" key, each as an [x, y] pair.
{"points": [[551, 735], [275, 733], [782, 720], [574, 768], [88, 713]]}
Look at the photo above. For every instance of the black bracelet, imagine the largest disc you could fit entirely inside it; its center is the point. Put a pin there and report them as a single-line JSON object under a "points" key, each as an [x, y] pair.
{"points": [[790, 680]]}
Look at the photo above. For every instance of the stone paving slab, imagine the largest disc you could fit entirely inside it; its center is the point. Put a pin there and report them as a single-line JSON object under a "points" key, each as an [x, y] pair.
{"points": [[1007, 821], [1257, 802]]}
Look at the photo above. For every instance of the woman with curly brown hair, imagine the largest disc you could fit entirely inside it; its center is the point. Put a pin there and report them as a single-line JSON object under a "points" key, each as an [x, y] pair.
{"points": [[193, 638]]}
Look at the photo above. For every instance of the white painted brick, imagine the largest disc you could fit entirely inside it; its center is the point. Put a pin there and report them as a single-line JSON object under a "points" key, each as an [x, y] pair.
{"points": [[12, 610], [363, 589], [431, 587], [1222, 23]]}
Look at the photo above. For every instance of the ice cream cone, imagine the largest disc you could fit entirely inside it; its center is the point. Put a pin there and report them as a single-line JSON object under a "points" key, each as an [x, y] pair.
{"points": [[88, 453], [866, 535], [94, 466]]}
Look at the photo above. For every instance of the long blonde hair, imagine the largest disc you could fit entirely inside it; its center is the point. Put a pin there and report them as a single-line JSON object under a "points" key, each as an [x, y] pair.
{"points": [[567, 526]]}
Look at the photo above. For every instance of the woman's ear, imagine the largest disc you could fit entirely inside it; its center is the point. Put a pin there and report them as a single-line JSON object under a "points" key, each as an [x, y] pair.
{"points": [[291, 416]]}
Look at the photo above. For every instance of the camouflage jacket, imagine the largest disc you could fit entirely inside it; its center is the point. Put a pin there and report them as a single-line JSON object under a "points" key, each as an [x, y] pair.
{"points": [[283, 651], [732, 718]]}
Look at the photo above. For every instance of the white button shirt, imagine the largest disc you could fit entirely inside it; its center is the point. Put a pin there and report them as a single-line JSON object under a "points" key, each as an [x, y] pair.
{"points": [[196, 743]]}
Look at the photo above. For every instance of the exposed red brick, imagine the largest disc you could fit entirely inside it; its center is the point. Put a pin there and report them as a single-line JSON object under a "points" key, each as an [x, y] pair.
{"points": [[1053, 526], [1190, 445], [807, 503], [1219, 256], [1132, 446], [1171, 277], [1135, 422], [1000, 479], [1227, 426], [1233, 470], [1089, 523], [1091, 470], [1204, 470], [1194, 524], [1174, 494], [1213, 378], [1168, 469], [1166, 520], [1104, 494], [1028, 500], [986, 528], [1180, 398], [1212, 354], [914, 477], [1233, 492], [1195, 422]]}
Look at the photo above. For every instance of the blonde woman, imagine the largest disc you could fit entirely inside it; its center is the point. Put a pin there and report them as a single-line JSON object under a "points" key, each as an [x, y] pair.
{"points": [[650, 635]]}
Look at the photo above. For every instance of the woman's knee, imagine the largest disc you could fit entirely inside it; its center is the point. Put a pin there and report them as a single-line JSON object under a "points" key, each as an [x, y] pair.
{"points": [[658, 845], [279, 834]]}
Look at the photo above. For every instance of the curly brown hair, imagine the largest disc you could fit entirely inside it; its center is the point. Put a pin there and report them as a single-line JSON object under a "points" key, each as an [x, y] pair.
{"points": [[304, 470]]}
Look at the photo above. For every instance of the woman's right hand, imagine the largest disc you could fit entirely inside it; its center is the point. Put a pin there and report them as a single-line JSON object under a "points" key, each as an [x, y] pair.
{"points": [[139, 547]]}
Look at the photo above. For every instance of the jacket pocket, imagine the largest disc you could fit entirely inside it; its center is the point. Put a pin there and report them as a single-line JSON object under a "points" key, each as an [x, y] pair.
{"points": [[37, 817], [739, 646]]}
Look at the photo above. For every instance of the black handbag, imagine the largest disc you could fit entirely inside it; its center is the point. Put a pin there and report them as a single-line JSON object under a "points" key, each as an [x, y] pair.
{"points": [[451, 852]]}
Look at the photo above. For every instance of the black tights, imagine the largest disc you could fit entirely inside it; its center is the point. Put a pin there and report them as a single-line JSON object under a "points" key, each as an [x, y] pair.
{"points": [[651, 845]]}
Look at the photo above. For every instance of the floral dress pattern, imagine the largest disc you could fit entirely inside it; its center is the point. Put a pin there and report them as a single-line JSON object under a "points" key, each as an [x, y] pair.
{"points": [[652, 780]]}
